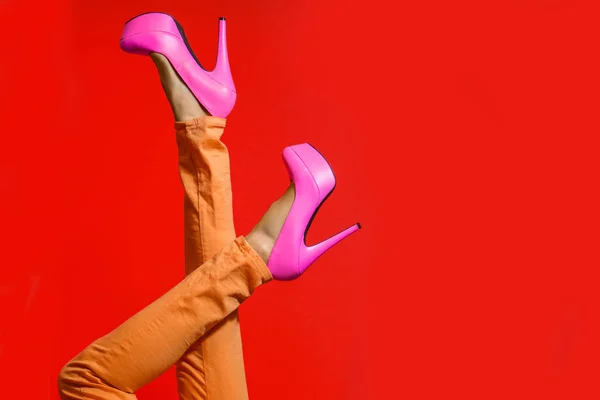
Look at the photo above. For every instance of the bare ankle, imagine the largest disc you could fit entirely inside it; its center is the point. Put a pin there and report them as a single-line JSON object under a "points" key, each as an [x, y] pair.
{"points": [[183, 103], [265, 233], [261, 242]]}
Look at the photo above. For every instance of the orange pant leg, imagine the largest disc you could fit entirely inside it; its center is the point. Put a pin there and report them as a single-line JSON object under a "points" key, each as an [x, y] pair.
{"points": [[154, 339], [213, 368]]}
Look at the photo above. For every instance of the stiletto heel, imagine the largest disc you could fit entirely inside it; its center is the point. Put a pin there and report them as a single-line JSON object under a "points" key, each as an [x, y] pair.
{"points": [[222, 71], [160, 33], [314, 252], [314, 182]]}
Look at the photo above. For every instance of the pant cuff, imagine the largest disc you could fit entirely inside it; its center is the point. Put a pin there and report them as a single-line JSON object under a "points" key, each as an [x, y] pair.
{"points": [[206, 122], [256, 259]]}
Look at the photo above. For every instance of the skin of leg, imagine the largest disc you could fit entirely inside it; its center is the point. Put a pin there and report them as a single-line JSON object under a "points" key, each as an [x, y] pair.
{"points": [[154, 339]]}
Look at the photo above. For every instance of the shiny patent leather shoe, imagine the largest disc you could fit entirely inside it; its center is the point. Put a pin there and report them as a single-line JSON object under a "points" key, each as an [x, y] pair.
{"points": [[161, 33], [314, 181]]}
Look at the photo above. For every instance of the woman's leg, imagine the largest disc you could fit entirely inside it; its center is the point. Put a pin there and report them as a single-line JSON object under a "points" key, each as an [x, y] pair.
{"points": [[213, 368], [146, 345], [150, 342]]}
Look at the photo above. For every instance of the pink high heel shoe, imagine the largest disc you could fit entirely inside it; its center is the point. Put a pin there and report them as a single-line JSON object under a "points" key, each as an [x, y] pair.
{"points": [[314, 181], [161, 33]]}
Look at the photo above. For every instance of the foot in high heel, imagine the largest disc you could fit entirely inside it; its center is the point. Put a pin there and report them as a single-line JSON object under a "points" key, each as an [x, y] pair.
{"points": [[280, 236], [160, 33]]}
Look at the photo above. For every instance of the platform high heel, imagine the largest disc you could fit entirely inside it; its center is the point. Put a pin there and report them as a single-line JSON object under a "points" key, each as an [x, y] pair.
{"points": [[314, 181], [161, 33]]}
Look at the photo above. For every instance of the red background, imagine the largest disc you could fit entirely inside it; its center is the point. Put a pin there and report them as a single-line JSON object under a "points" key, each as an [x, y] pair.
{"points": [[464, 138]]}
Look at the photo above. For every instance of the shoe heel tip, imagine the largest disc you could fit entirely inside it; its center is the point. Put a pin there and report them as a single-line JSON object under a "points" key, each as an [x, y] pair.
{"points": [[221, 18], [359, 225]]}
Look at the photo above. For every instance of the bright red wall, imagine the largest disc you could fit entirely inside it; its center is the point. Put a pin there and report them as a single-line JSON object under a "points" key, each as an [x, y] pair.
{"points": [[464, 138]]}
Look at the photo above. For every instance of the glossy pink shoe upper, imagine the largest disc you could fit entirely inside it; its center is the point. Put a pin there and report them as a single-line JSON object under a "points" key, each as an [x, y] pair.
{"points": [[161, 33], [314, 181]]}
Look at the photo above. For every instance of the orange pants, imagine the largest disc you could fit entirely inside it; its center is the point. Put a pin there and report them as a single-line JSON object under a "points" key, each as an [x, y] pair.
{"points": [[195, 325]]}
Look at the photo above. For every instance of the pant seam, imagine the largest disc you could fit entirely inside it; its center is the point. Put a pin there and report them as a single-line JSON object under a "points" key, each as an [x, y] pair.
{"points": [[202, 246], [204, 370]]}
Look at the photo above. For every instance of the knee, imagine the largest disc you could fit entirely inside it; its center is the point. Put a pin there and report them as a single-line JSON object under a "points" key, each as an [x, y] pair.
{"points": [[72, 379], [67, 382]]}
